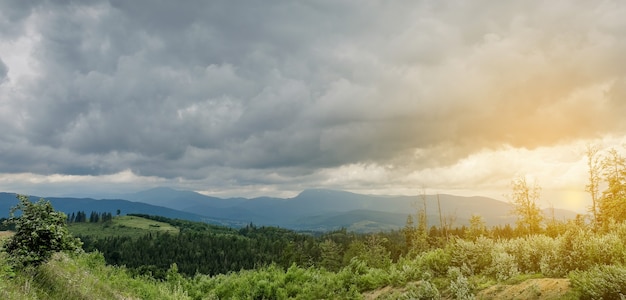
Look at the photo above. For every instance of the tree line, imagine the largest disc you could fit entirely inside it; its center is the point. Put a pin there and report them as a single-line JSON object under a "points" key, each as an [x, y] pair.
{"points": [[94, 217]]}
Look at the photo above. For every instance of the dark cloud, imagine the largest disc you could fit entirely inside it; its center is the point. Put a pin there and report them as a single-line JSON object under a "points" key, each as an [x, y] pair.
{"points": [[178, 91]]}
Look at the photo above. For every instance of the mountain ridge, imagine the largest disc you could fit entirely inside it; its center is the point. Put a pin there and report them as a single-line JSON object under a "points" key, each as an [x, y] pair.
{"points": [[312, 209]]}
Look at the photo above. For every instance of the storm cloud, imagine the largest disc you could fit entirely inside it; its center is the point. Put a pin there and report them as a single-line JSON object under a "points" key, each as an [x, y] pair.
{"points": [[263, 91]]}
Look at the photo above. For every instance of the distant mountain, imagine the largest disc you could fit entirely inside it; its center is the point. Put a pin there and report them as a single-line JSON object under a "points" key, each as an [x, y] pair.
{"points": [[70, 205], [322, 208], [356, 220], [313, 209], [180, 200]]}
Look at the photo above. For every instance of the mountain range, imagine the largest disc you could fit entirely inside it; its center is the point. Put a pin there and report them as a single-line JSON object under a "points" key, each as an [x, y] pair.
{"points": [[313, 209]]}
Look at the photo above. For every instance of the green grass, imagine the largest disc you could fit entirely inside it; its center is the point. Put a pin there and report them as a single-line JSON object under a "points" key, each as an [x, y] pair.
{"points": [[121, 226], [81, 276], [84, 276]]}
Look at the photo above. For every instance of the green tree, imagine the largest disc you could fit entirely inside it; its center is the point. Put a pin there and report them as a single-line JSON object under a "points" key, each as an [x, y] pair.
{"points": [[612, 204], [524, 199], [376, 254], [594, 166], [409, 232], [477, 227], [331, 255], [40, 231]]}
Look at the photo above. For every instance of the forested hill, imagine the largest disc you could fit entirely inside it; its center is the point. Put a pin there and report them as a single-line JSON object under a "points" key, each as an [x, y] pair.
{"points": [[148, 245]]}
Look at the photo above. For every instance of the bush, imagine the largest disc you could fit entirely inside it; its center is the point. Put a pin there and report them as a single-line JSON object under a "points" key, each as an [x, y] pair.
{"points": [[600, 282], [424, 290], [40, 231], [436, 261], [475, 255], [460, 287], [503, 265]]}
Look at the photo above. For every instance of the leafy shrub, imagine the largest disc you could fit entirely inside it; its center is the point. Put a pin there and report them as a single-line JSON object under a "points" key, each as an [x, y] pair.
{"points": [[40, 231], [475, 255], [530, 251], [423, 290], [600, 282], [460, 287], [436, 261], [503, 265]]}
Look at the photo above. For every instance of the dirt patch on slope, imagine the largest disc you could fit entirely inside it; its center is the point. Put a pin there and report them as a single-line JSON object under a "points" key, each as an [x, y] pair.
{"points": [[537, 289], [372, 295]]}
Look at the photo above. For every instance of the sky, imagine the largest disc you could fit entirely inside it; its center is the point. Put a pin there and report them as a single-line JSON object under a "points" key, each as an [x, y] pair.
{"points": [[268, 98]]}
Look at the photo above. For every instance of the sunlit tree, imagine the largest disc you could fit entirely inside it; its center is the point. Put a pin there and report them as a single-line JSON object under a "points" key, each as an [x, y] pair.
{"points": [[524, 199], [612, 204], [594, 166], [477, 227]]}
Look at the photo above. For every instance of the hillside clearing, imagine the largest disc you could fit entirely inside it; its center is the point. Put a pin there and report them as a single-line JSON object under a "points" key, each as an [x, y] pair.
{"points": [[121, 226]]}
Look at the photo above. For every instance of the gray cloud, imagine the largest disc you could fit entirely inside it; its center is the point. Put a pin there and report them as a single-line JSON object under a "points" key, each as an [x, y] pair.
{"points": [[178, 91], [4, 70]]}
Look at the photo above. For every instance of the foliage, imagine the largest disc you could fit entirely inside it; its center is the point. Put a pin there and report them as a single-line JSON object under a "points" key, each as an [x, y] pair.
{"points": [[524, 199], [477, 227], [460, 287], [331, 255], [424, 290], [600, 282], [593, 261], [40, 231], [273, 263], [612, 204], [594, 170], [503, 265]]}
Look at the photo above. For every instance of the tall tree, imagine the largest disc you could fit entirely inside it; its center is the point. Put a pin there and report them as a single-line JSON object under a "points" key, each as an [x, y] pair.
{"points": [[594, 166], [477, 227], [331, 255], [409, 231], [612, 205], [524, 199], [441, 220]]}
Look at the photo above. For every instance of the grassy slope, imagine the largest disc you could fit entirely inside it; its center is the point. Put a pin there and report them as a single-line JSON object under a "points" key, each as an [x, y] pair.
{"points": [[121, 226], [84, 276], [81, 277]]}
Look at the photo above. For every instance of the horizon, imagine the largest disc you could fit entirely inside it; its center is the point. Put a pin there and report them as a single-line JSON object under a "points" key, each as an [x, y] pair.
{"points": [[266, 99], [121, 196]]}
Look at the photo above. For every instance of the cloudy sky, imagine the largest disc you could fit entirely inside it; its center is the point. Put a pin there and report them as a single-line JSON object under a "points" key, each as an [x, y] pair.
{"points": [[249, 98]]}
